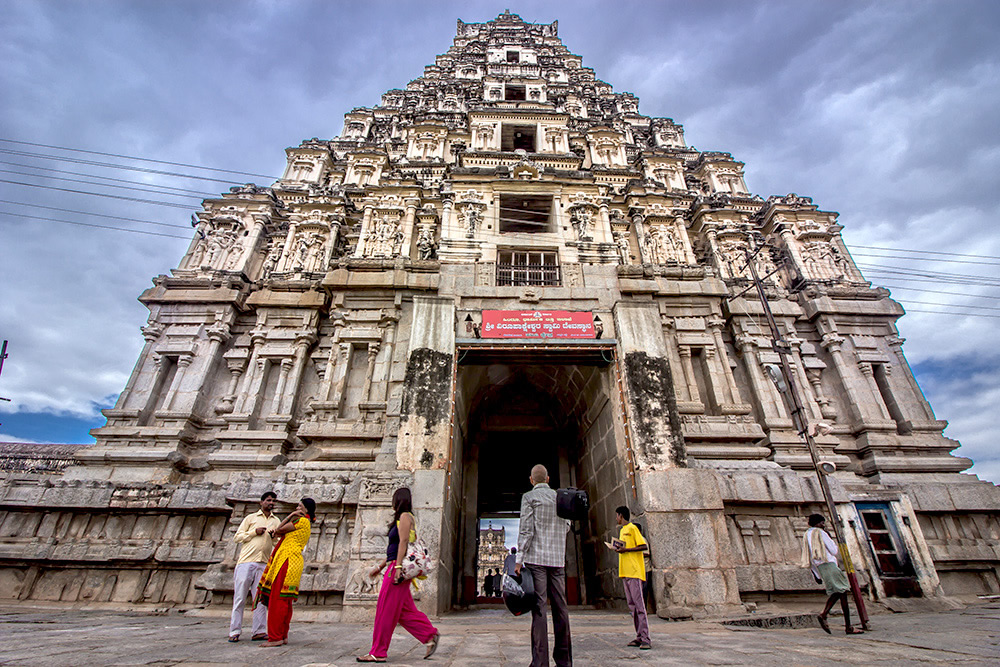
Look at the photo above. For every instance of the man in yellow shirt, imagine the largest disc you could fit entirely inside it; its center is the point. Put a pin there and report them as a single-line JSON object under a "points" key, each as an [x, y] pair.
{"points": [[254, 534], [632, 571]]}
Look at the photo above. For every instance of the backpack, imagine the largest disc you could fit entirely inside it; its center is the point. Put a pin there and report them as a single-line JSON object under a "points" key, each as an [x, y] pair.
{"points": [[572, 504]]}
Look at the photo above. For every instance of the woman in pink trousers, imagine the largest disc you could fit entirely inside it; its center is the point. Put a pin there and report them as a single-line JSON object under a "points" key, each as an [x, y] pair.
{"points": [[395, 601]]}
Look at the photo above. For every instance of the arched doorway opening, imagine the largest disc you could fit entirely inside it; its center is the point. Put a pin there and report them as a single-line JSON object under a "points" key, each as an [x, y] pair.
{"points": [[513, 411]]}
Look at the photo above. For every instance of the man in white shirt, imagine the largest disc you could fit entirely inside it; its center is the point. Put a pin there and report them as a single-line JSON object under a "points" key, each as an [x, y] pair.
{"points": [[819, 553], [254, 534]]}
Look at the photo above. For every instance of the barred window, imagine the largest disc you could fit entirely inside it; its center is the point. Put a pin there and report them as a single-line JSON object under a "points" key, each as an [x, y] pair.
{"points": [[527, 267]]}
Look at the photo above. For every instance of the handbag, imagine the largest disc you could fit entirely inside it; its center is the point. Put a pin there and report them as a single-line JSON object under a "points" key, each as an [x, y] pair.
{"points": [[417, 563]]}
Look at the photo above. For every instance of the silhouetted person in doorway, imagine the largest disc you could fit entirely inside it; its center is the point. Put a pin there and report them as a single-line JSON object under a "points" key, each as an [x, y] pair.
{"points": [[541, 547], [488, 584], [510, 562], [497, 584]]}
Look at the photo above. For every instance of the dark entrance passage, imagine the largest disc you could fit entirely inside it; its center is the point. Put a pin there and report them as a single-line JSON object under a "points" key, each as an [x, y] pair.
{"points": [[512, 414]]}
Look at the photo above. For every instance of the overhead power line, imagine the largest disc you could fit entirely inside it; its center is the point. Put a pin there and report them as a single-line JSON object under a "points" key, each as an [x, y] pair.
{"points": [[89, 224], [99, 215], [133, 157], [924, 252], [924, 259], [100, 194], [135, 188], [941, 312], [112, 165], [931, 291], [103, 178], [950, 305]]}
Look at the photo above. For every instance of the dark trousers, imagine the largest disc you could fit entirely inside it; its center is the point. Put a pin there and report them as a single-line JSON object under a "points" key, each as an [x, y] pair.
{"points": [[550, 583]]}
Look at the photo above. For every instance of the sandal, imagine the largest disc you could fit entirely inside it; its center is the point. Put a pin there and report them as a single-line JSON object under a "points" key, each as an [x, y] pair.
{"points": [[234, 638], [370, 658], [432, 645], [823, 624], [854, 631]]}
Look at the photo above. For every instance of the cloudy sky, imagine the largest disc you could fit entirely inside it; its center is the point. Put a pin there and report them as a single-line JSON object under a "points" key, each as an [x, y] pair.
{"points": [[883, 111]]}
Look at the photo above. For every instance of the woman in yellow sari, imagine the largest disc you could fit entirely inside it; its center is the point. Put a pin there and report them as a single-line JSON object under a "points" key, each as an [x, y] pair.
{"points": [[279, 585]]}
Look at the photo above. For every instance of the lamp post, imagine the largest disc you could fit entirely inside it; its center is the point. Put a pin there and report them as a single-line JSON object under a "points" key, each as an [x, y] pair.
{"points": [[782, 347]]}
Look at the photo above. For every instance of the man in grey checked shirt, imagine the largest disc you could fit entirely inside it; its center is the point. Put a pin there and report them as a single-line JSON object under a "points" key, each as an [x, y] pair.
{"points": [[541, 546]]}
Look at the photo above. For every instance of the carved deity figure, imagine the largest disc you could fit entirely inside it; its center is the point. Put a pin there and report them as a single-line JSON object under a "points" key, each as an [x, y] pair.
{"points": [[385, 238], [213, 251], [623, 246], [822, 260], [472, 220], [308, 252], [235, 254], [732, 259], [662, 245], [583, 223], [426, 245], [273, 255]]}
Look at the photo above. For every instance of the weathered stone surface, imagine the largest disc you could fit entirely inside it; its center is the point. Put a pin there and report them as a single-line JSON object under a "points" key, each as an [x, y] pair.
{"points": [[322, 337]]}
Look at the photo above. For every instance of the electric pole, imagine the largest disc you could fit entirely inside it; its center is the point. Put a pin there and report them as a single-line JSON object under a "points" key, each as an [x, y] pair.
{"points": [[3, 355], [782, 347]]}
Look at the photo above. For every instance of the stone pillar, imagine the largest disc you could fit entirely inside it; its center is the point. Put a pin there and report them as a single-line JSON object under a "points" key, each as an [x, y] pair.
{"points": [[715, 325], [446, 217], [815, 377], [331, 244], [411, 210], [694, 568], [249, 394], [196, 385], [340, 384], [896, 347], [366, 223], [151, 333], [651, 403], [683, 236], [832, 342], [183, 362], [640, 237], [868, 372], [373, 349], [279, 390], [771, 404], [287, 399], [425, 415], [236, 369], [286, 254], [686, 366]]}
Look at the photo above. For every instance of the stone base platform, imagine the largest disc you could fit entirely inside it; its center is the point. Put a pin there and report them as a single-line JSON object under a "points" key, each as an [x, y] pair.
{"points": [[40, 636]]}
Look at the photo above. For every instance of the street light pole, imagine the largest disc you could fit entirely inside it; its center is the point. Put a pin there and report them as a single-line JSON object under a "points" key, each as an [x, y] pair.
{"points": [[782, 347]]}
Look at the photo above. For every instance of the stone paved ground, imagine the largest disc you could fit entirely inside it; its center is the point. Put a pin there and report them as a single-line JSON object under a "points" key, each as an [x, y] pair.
{"points": [[33, 636]]}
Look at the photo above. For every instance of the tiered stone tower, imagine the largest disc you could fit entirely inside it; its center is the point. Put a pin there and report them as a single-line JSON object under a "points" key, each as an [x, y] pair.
{"points": [[506, 263]]}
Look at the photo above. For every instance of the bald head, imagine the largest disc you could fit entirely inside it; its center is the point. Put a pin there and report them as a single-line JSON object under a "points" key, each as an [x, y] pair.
{"points": [[539, 474]]}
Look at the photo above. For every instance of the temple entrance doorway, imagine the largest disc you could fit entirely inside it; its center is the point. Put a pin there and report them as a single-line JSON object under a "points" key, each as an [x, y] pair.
{"points": [[515, 408]]}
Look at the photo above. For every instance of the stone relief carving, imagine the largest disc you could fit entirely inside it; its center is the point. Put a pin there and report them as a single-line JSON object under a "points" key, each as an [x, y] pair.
{"points": [[823, 260], [663, 246], [221, 247], [385, 239], [583, 223], [426, 245], [308, 252], [623, 247]]}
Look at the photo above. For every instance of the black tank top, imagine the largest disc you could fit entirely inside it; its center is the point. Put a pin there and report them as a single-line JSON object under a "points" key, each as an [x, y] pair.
{"points": [[392, 550]]}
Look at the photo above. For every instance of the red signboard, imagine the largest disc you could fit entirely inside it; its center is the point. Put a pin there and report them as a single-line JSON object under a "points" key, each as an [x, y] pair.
{"points": [[537, 324]]}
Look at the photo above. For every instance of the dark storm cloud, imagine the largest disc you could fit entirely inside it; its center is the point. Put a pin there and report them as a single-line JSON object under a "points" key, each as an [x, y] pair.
{"points": [[883, 111]]}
